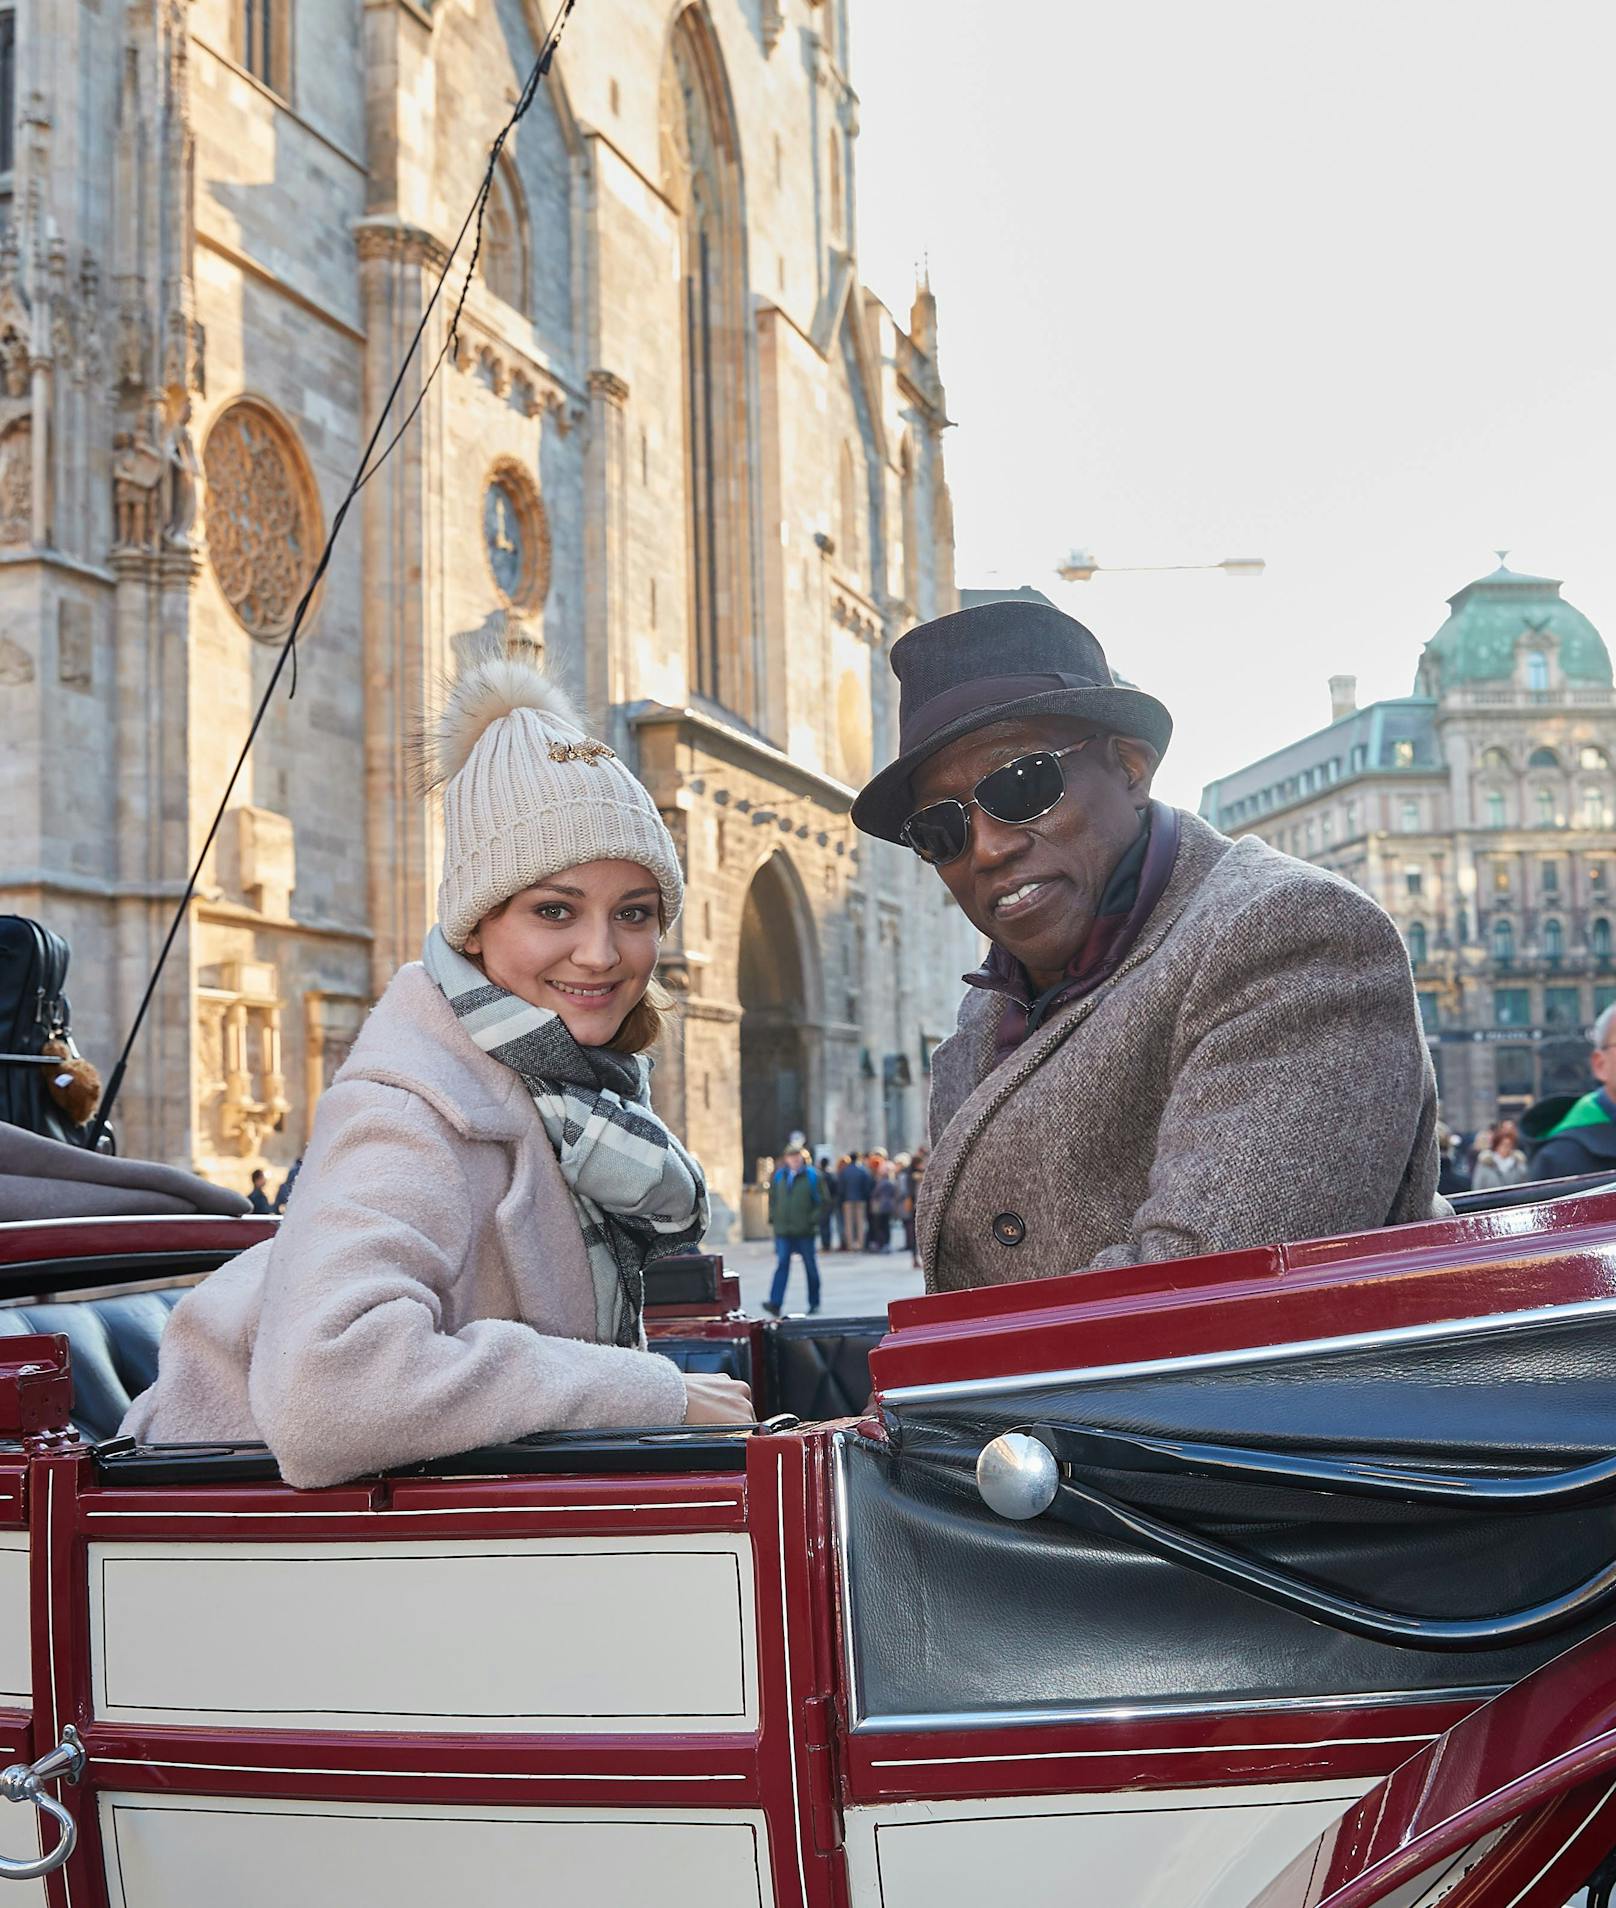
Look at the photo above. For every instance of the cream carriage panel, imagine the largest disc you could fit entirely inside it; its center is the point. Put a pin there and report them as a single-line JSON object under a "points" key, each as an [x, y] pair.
{"points": [[198, 1851], [16, 1669], [1191, 1848], [592, 1635]]}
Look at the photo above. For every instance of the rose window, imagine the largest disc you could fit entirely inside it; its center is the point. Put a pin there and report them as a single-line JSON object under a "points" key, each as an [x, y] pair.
{"points": [[263, 525]]}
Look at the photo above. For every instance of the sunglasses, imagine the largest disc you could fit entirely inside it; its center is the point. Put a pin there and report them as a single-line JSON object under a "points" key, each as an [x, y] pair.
{"points": [[1021, 791]]}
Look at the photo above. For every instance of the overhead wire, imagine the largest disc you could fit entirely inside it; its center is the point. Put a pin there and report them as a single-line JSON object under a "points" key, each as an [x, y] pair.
{"points": [[473, 222]]}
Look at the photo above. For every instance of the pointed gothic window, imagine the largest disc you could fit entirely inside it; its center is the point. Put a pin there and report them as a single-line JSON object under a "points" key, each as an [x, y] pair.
{"points": [[503, 259], [702, 178], [264, 42]]}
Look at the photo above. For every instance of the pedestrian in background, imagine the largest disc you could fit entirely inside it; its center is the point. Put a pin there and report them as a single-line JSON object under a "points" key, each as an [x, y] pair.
{"points": [[1501, 1161], [883, 1201], [288, 1183], [830, 1218], [1454, 1175], [796, 1198], [258, 1199], [909, 1187], [854, 1182]]}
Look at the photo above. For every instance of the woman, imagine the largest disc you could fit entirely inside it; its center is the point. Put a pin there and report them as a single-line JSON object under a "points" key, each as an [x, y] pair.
{"points": [[486, 1180], [883, 1202], [1500, 1162]]}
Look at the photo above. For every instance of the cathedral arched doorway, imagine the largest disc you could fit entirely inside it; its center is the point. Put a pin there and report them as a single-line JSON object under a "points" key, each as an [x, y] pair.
{"points": [[779, 1087]]}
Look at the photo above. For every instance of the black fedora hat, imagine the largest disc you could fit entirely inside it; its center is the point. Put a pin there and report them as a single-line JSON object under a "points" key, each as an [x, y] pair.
{"points": [[987, 664]]}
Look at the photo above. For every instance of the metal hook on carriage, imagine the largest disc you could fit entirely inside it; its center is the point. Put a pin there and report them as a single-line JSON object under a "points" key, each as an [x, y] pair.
{"points": [[24, 1782]]}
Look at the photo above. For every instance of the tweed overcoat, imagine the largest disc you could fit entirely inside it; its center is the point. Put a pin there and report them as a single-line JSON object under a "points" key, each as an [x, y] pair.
{"points": [[1253, 1072], [428, 1291]]}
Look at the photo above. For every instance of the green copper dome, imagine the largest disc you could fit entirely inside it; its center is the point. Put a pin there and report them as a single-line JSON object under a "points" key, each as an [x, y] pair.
{"points": [[1488, 618]]}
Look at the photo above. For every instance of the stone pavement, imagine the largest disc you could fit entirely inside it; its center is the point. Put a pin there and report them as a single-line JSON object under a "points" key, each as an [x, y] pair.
{"points": [[852, 1284]]}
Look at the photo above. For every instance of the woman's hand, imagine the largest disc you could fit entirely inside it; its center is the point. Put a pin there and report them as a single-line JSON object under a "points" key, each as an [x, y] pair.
{"points": [[711, 1398]]}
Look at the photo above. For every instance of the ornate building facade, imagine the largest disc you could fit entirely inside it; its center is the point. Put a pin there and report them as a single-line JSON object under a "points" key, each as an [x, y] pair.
{"points": [[1481, 813], [676, 443]]}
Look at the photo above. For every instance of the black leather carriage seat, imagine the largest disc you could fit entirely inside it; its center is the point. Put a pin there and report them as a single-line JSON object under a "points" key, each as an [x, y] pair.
{"points": [[820, 1367], [112, 1343]]}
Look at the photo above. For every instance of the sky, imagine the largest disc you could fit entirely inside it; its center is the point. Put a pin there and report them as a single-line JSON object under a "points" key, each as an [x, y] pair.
{"points": [[1326, 284]]}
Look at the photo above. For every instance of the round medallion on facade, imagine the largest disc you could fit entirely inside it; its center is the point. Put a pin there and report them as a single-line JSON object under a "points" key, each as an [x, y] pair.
{"points": [[263, 516], [516, 537]]}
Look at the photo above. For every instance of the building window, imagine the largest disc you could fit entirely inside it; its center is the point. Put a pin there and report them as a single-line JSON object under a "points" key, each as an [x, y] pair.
{"points": [[1411, 818], [1360, 756], [1603, 997], [1418, 949], [1596, 876], [1430, 1011], [1537, 671], [8, 89], [1543, 758], [1402, 754], [1312, 837], [1503, 940], [263, 516], [1516, 1078], [1495, 808], [1599, 939], [1593, 808], [702, 180], [1327, 829], [1413, 879], [263, 42], [1562, 1007], [1589, 757], [1544, 798], [1352, 819], [1553, 940], [1551, 877], [1497, 759], [503, 260], [1512, 1006]]}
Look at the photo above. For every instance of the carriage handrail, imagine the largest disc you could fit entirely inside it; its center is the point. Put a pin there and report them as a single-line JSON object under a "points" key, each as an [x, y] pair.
{"points": [[24, 1782], [1020, 1476]]}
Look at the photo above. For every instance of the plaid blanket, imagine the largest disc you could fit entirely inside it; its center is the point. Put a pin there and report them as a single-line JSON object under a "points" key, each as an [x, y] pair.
{"points": [[639, 1195]]}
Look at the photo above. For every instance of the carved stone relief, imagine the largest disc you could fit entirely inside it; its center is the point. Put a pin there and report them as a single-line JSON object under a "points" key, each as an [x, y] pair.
{"points": [[17, 482]]}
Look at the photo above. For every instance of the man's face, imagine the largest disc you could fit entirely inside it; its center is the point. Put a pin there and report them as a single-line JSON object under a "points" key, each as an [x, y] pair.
{"points": [[1603, 1063], [1035, 887]]}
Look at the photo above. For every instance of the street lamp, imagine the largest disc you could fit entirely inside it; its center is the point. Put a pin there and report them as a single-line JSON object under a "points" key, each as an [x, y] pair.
{"points": [[1080, 567]]}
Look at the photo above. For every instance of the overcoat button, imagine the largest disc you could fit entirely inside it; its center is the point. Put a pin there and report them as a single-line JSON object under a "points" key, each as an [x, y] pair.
{"points": [[1009, 1229]]}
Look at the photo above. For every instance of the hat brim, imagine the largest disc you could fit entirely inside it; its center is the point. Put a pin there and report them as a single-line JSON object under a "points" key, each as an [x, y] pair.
{"points": [[885, 802]]}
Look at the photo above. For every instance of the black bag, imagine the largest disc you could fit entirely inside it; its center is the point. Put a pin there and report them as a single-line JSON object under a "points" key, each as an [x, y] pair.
{"points": [[33, 1009]]}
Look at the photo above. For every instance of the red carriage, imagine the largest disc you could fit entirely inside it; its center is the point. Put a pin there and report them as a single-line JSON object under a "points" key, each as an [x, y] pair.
{"points": [[1270, 1576]]}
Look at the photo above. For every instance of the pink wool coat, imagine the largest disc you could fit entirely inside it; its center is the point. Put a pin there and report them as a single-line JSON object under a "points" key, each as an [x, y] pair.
{"points": [[428, 1291]]}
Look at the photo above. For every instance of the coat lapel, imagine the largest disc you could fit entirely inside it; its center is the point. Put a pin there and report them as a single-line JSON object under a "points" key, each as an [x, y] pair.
{"points": [[1200, 848]]}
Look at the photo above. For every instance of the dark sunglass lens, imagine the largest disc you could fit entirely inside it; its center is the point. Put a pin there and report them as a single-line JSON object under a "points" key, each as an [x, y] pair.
{"points": [[1022, 790], [937, 833]]}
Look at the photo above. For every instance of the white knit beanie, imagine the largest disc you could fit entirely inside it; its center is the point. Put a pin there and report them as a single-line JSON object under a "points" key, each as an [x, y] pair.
{"points": [[527, 794]]}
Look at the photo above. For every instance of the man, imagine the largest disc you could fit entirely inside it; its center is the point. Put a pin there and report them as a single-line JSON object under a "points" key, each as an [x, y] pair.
{"points": [[258, 1199], [853, 1186], [1569, 1136], [832, 1211], [796, 1198], [1167, 1021]]}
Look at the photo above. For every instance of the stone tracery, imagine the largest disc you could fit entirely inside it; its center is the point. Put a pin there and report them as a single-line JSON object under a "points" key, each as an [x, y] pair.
{"points": [[262, 522]]}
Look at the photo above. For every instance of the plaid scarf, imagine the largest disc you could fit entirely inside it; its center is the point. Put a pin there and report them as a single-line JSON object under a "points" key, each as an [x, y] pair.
{"points": [[638, 1194]]}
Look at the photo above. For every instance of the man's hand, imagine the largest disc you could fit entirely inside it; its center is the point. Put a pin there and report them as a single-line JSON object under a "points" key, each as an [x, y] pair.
{"points": [[712, 1398]]}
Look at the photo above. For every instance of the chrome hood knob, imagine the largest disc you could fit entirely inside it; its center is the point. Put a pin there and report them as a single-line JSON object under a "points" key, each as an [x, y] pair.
{"points": [[1017, 1476]]}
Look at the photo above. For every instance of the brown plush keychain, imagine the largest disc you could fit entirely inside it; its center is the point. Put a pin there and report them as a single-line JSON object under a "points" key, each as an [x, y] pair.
{"points": [[76, 1085]]}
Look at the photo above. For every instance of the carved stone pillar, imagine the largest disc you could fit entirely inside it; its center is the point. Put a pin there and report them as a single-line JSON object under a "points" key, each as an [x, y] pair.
{"points": [[605, 582]]}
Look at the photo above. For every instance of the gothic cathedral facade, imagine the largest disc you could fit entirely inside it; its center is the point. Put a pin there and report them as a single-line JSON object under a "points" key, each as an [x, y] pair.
{"points": [[674, 441]]}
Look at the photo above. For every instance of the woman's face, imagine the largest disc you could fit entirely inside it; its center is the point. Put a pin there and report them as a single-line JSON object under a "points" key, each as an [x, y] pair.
{"points": [[583, 943]]}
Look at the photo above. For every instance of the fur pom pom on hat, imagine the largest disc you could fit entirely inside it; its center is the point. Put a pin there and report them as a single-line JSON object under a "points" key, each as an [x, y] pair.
{"points": [[527, 793]]}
